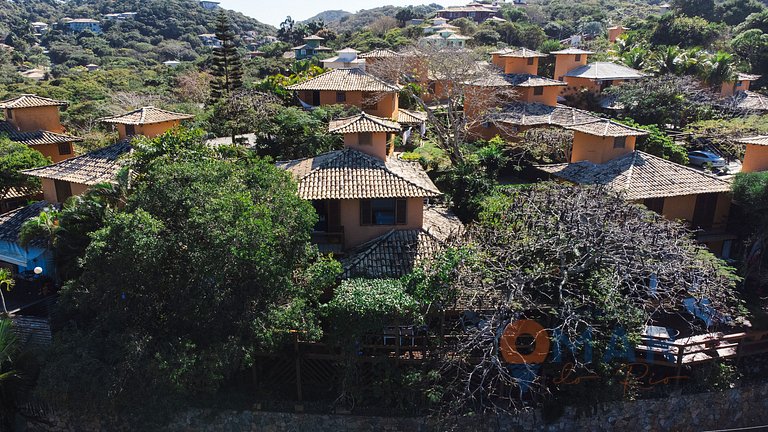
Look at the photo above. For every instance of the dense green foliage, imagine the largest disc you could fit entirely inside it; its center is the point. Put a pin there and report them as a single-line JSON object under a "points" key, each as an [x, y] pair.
{"points": [[14, 158], [227, 241]]}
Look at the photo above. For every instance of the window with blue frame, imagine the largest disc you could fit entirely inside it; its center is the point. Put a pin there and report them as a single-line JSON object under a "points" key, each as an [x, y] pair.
{"points": [[383, 212]]}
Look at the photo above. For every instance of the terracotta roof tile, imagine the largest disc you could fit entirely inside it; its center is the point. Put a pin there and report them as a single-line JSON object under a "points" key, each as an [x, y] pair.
{"points": [[363, 123], [408, 117], [34, 138], [379, 53], [99, 166], [749, 100], [572, 51], [350, 174], [396, 253], [536, 114], [11, 222], [21, 192], [605, 71], [516, 80], [346, 79], [522, 53], [607, 128], [640, 176], [146, 115], [761, 140], [30, 101]]}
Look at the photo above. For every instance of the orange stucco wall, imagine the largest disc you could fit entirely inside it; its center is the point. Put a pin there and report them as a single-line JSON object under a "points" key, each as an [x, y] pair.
{"points": [[355, 234], [387, 104], [728, 89], [52, 151], [755, 158], [614, 33], [498, 60], [149, 130], [549, 97], [517, 65], [598, 149], [37, 118], [49, 190], [567, 62], [683, 208], [378, 147]]}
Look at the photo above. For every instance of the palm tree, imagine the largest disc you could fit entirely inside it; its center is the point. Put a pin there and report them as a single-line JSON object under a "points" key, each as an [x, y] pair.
{"points": [[667, 60], [720, 68], [45, 225], [636, 58], [6, 282]]}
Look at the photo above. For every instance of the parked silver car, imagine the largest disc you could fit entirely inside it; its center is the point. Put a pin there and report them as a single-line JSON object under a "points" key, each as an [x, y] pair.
{"points": [[702, 157]]}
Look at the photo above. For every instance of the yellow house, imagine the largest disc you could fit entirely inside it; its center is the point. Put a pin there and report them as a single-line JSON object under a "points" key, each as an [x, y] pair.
{"points": [[361, 193], [569, 59], [756, 154], [598, 76], [147, 121], [74, 176], [731, 88], [35, 121], [352, 87]]}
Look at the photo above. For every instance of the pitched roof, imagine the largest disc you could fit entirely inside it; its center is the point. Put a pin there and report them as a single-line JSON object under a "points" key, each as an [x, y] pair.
{"points": [[640, 175], [146, 115], [21, 192], [379, 53], [761, 140], [408, 117], [572, 51], [607, 128], [11, 222], [346, 79], [747, 77], [522, 53], [314, 37], [350, 174], [536, 114], [605, 70], [749, 100], [397, 252], [363, 123], [517, 80], [99, 166], [34, 138], [30, 101]]}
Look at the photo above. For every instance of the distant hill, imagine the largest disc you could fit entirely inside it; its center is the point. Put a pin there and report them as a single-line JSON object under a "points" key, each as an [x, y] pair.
{"points": [[365, 17], [328, 16]]}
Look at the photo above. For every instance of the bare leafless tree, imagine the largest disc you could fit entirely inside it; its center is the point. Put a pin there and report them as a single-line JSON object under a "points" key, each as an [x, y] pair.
{"points": [[441, 81], [571, 258]]}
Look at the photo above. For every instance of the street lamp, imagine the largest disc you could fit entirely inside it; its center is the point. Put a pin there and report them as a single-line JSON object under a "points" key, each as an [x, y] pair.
{"points": [[38, 270]]}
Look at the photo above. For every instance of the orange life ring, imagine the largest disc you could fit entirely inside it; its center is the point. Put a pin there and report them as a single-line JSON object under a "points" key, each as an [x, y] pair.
{"points": [[514, 330]]}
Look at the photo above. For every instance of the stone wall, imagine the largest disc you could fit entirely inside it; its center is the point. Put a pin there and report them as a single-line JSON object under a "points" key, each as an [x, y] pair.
{"points": [[740, 407]]}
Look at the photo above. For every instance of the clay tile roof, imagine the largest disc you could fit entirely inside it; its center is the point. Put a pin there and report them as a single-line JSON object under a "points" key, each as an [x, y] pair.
{"points": [[379, 53], [30, 101], [146, 115], [572, 51], [346, 79], [398, 252], [522, 53], [748, 77], [99, 166], [761, 140], [34, 138], [314, 37], [605, 70], [640, 176], [408, 117], [21, 192], [11, 222], [607, 128], [517, 80], [536, 114], [350, 174], [749, 100], [363, 123]]}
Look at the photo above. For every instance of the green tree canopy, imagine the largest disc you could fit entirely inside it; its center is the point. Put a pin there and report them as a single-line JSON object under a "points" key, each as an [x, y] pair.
{"points": [[15, 157]]}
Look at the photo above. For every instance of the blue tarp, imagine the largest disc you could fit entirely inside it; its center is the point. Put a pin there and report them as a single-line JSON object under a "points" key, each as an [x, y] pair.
{"points": [[26, 258]]}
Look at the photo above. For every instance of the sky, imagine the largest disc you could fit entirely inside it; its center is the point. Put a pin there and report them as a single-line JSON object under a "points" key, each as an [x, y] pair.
{"points": [[274, 11]]}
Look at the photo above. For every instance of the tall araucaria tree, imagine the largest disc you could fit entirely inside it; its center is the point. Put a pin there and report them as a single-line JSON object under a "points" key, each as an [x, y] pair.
{"points": [[227, 65]]}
